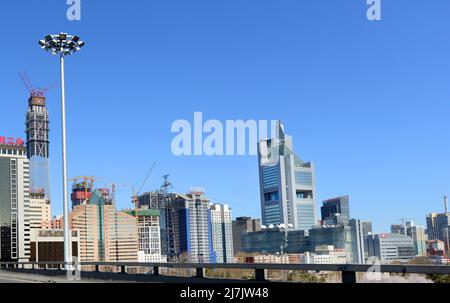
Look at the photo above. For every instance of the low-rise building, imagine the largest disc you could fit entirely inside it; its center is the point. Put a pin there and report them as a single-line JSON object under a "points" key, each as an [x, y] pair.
{"points": [[275, 240], [47, 245], [274, 259], [325, 254], [339, 236], [391, 247], [435, 248]]}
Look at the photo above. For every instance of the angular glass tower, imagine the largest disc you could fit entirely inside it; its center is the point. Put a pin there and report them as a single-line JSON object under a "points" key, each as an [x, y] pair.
{"points": [[287, 183], [37, 130]]}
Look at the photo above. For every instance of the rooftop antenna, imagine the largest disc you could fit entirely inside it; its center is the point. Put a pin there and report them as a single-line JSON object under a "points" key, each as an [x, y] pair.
{"points": [[446, 203]]}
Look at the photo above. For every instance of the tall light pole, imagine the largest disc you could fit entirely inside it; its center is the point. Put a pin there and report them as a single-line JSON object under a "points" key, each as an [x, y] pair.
{"points": [[63, 45]]}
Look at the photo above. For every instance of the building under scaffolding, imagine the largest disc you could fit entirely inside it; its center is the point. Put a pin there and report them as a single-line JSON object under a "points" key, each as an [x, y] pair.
{"points": [[82, 189], [37, 130], [161, 200], [184, 222]]}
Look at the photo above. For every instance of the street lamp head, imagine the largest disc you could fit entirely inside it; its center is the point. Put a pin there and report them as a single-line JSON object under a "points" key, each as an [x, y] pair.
{"points": [[62, 44]]}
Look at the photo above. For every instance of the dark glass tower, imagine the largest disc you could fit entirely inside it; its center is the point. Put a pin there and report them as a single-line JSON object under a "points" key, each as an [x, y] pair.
{"points": [[37, 129], [336, 211]]}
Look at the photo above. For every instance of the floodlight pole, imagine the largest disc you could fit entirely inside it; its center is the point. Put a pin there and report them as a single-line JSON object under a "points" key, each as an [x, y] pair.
{"points": [[63, 45], [67, 244]]}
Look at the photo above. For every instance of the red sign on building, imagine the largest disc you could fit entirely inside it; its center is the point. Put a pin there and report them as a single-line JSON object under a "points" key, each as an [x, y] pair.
{"points": [[11, 141]]}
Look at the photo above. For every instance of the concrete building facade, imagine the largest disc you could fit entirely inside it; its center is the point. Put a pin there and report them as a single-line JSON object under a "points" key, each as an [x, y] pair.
{"points": [[105, 233], [14, 201], [391, 247], [40, 212]]}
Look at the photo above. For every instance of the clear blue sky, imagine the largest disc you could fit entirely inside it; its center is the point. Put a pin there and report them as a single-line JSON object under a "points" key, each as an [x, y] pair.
{"points": [[367, 102]]}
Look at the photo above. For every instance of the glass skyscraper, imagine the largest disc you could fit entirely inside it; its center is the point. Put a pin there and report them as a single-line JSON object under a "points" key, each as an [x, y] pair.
{"points": [[336, 211], [287, 183]]}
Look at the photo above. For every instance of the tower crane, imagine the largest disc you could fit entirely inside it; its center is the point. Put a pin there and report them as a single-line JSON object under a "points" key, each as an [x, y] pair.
{"points": [[40, 92], [114, 186], [88, 182], [136, 200], [136, 193]]}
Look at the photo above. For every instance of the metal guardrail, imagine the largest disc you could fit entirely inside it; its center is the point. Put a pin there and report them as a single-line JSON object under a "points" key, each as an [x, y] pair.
{"points": [[348, 270]]}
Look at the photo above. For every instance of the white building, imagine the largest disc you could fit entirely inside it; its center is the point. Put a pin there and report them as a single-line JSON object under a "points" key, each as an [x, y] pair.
{"points": [[40, 213], [14, 201], [222, 234], [149, 236], [391, 247], [325, 254], [287, 183]]}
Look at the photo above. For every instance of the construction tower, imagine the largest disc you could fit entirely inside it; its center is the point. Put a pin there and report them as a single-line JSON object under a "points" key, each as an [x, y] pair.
{"points": [[37, 132]]}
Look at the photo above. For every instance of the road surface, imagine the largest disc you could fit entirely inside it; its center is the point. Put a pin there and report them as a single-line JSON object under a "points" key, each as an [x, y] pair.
{"points": [[9, 281]]}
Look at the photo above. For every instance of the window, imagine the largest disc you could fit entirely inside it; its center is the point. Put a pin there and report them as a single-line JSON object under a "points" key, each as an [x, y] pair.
{"points": [[303, 177], [274, 196]]}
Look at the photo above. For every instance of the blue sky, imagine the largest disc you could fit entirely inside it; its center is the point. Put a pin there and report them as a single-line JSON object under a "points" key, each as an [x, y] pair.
{"points": [[367, 102]]}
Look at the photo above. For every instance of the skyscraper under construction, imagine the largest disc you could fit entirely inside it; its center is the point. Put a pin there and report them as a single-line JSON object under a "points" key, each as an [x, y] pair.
{"points": [[37, 129]]}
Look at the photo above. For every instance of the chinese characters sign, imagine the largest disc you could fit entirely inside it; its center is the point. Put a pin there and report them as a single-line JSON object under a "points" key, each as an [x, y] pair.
{"points": [[11, 141]]}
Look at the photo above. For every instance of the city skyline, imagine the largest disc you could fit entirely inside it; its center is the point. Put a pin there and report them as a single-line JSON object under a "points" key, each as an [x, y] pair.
{"points": [[391, 181]]}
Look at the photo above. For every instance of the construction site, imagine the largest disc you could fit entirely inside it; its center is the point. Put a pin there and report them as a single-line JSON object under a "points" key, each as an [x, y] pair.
{"points": [[144, 206]]}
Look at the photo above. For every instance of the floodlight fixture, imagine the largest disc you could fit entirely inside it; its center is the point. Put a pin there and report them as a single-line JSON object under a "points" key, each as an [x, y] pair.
{"points": [[61, 44]]}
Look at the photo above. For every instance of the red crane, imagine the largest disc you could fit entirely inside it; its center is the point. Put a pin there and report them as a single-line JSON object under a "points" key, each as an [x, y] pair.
{"points": [[40, 92]]}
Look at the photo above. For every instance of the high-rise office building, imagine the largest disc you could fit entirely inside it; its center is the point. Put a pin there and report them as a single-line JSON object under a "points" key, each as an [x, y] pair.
{"points": [[391, 247], [14, 201], [417, 233], [221, 232], [242, 226], [367, 228], [438, 226], [105, 233], [40, 212], [358, 241], [336, 211], [398, 229], [192, 226], [287, 183], [149, 235], [37, 130]]}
